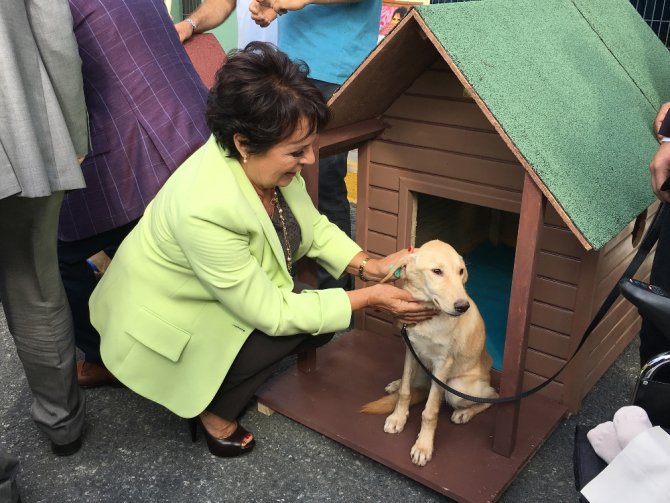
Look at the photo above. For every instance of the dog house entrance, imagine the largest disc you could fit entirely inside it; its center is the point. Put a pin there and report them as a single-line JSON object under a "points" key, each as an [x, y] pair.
{"points": [[486, 238]]}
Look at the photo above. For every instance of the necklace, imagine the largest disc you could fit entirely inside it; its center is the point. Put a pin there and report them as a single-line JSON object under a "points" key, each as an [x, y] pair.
{"points": [[280, 210]]}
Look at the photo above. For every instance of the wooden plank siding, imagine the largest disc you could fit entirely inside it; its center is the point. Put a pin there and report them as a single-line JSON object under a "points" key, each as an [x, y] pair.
{"points": [[439, 82], [549, 342], [382, 222], [439, 111], [626, 326], [481, 170], [613, 263], [487, 144], [542, 364], [554, 390]]}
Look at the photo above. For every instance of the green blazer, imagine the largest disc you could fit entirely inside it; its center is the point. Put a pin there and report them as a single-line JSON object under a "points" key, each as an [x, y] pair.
{"points": [[201, 270]]}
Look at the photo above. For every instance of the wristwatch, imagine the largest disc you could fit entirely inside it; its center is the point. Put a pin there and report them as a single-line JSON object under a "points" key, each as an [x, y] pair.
{"points": [[193, 24]]}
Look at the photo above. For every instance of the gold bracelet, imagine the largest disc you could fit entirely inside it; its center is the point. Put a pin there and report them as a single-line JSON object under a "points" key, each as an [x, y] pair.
{"points": [[361, 268]]}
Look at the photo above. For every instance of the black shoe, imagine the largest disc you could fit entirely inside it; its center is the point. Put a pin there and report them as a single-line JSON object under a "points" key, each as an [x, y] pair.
{"points": [[66, 449], [229, 447]]}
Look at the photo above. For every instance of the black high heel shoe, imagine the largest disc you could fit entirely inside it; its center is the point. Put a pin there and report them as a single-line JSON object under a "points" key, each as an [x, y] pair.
{"points": [[229, 447]]}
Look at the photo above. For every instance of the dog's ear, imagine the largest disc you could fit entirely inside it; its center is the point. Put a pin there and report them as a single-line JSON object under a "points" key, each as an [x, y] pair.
{"points": [[400, 266]]}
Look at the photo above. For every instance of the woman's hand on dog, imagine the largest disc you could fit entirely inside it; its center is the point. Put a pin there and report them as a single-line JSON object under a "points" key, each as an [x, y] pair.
{"points": [[380, 268], [377, 269], [395, 301]]}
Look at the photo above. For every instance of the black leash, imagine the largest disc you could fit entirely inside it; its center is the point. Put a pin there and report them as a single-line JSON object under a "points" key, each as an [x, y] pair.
{"points": [[647, 244]]}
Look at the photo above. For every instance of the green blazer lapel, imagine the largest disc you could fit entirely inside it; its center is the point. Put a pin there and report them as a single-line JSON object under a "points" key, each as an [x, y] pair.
{"points": [[251, 196]]}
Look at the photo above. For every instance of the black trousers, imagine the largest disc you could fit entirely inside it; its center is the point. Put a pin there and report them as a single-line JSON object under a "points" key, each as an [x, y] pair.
{"points": [[254, 365], [652, 340], [79, 282], [333, 202], [9, 465]]}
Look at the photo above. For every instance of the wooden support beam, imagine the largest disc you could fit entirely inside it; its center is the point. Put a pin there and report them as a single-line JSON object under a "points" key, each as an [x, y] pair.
{"points": [[518, 319], [345, 138], [307, 361], [306, 268], [264, 409]]}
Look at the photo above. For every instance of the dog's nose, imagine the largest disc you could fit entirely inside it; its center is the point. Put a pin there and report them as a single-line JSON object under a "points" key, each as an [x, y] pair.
{"points": [[461, 305]]}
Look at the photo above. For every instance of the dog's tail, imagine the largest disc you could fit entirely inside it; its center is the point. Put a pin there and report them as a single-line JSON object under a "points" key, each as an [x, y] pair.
{"points": [[386, 404]]}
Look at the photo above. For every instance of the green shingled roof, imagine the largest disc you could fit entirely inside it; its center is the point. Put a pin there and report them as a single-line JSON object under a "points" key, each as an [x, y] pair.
{"points": [[575, 84]]}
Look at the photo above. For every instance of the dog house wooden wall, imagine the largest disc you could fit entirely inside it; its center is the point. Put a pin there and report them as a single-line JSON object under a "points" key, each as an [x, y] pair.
{"points": [[423, 130]]}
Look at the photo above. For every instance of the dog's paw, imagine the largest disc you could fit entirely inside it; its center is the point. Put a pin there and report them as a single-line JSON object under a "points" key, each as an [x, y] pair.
{"points": [[421, 454], [392, 387], [461, 416], [395, 423]]}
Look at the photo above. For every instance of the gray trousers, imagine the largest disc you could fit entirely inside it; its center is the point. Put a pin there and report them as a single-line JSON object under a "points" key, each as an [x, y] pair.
{"points": [[38, 315]]}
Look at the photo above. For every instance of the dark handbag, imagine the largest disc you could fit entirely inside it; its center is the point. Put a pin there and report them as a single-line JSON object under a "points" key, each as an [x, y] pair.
{"points": [[653, 395], [652, 302]]}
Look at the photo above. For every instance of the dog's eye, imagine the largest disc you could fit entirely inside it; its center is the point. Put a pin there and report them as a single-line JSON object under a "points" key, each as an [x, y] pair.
{"points": [[461, 271], [437, 271]]}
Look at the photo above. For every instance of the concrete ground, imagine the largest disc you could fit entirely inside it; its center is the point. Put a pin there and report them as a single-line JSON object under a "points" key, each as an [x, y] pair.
{"points": [[136, 451]]}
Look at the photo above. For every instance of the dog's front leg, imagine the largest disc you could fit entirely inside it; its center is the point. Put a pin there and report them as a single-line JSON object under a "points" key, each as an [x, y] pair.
{"points": [[396, 421], [422, 450]]}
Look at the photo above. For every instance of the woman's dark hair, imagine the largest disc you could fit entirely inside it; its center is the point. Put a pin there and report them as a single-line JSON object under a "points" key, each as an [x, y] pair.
{"points": [[400, 10], [262, 95]]}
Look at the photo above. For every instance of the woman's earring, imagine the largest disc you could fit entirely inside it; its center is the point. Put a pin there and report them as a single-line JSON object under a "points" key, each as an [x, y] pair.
{"points": [[244, 159]]}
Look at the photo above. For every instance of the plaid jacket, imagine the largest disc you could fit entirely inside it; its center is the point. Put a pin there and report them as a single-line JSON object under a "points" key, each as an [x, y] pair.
{"points": [[146, 108]]}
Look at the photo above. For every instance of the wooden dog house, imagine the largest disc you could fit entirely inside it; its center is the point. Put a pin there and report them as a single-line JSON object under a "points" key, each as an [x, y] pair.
{"points": [[519, 131]]}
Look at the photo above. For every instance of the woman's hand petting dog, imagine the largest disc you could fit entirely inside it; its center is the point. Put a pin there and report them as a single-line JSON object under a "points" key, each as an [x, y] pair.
{"points": [[378, 268], [400, 304]]}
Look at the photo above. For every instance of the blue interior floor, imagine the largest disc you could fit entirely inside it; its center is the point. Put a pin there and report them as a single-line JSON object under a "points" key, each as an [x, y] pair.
{"points": [[489, 283]]}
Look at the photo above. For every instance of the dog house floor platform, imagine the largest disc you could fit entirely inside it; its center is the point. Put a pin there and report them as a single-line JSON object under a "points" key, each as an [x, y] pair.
{"points": [[354, 369]]}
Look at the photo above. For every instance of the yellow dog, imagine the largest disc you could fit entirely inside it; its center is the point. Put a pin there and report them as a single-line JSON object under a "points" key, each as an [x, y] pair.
{"points": [[452, 344]]}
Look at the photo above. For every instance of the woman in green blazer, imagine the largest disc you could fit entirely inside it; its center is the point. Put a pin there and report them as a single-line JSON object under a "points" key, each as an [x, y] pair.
{"points": [[190, 310]]}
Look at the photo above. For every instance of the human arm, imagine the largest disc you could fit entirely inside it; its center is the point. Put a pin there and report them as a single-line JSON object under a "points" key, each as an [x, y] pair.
{"points": [[375, 269], [286, 5], [658, 121], [210, 14], [336, 252], [386, 297], [231, 258], [226, 266], [263, 12], [60, 55], [660, 171], [393, 300], [659, 167]]}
